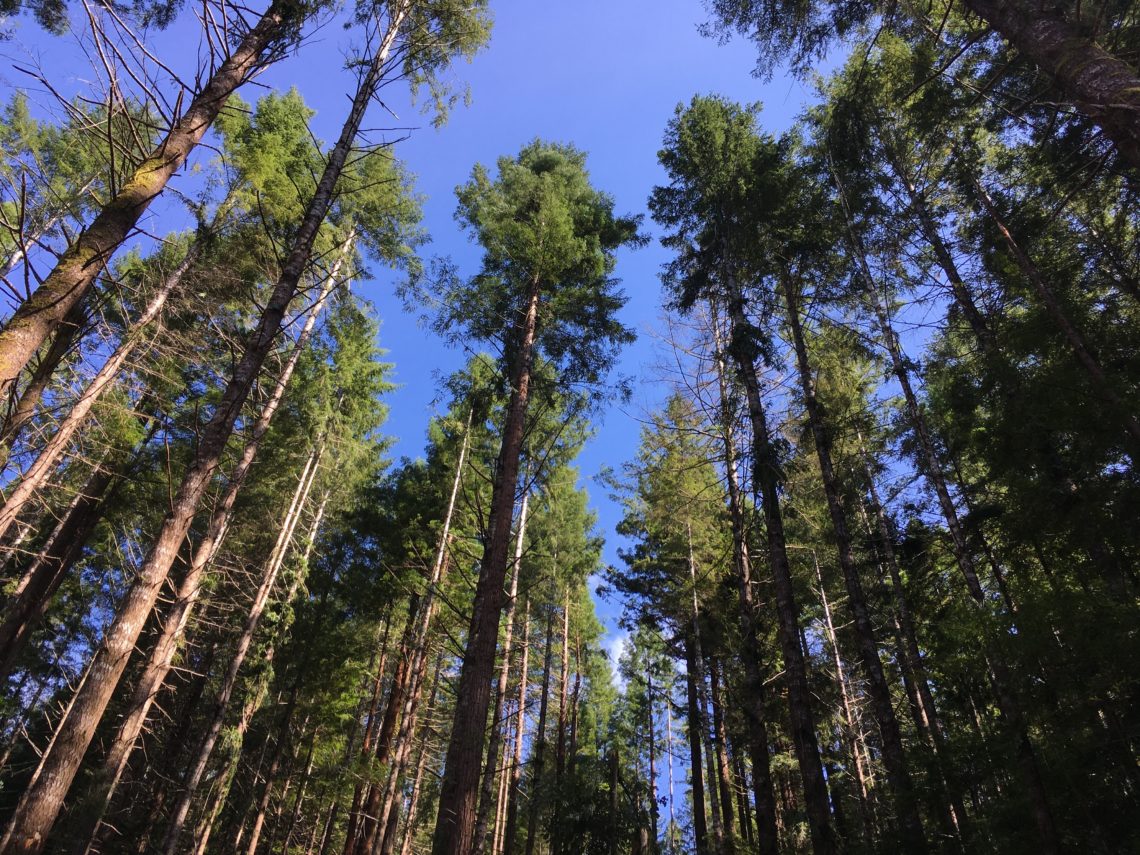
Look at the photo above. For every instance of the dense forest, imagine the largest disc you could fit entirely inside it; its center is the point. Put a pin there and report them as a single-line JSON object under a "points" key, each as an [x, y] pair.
{"points": [[875, 586]]}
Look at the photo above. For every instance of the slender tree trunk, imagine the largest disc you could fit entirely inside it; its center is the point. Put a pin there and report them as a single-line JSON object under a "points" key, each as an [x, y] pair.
{"points": [[369, 823], [42, 800], [910, 656], [245, 640], [654, 808], [754, 691], [406, 734], [672, 825], [560, 745], [1103, 87], [537, 753], [497, 717], [37, 586], [299, 801], [161, 657], [998, 671], [912, 836], [421, 765], [702, 697], [280, 746], [370, 721], [509, 831], [720, 744], [767, 478], [36, 477], [24, 407], [696, 770], [74, 275], [851, 729], [459, 791], [742, 795], [932, 234]]}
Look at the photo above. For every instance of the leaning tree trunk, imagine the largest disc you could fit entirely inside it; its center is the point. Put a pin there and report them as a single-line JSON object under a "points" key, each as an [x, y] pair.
{"points": [[500, 691], [29, 601], [720, 746], [36, 477], [417, 668], [912, 836], [41, 802], [68, 285], [245, 640], [754, 711], [421, 765], [162, 654], [766, 467], [25, 405], [459, 791], [1100, 85]]}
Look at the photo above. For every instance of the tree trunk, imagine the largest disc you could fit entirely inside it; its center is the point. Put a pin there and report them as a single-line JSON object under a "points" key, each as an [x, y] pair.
{"points": [[418, 665], [702, 697], [696, 770], [539, 750], [74, 275], [766, 477], [851, 729], [654, 808], [500, 692], [754, 690], [520, 735], [41, 802], [560, 745], [910, 656], [25, 406], [455, 822], [30, 599], [1103, 87], [245, 640], [279, 748], [161, 657], [36, 477], [720, 744], [912, 836], [298, 802], [421, 765]]}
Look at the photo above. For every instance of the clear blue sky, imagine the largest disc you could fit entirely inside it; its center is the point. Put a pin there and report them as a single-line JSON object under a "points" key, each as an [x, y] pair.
{"points": [[604, 76]]}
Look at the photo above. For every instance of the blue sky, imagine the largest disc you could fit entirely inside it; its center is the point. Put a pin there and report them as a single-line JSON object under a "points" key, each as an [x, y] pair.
{"points": [[604, 76]]}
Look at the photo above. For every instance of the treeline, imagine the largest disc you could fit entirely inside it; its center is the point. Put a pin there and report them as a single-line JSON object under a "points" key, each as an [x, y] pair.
{"points": [[879, 576]]}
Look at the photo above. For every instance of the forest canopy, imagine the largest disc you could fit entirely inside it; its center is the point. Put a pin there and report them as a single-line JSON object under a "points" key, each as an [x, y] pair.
{"points": [[766, 478]]}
